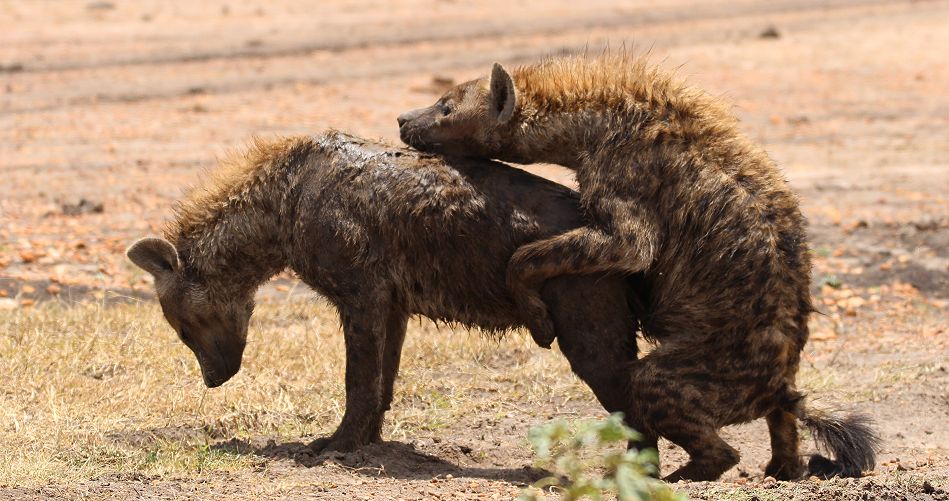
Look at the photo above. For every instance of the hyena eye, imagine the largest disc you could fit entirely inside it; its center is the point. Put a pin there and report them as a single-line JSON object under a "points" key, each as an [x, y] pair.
{"points": [[446, 109], [183, 333]]}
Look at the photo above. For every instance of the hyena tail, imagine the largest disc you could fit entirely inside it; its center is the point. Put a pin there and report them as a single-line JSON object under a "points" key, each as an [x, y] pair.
{"points": [[850, 439]]}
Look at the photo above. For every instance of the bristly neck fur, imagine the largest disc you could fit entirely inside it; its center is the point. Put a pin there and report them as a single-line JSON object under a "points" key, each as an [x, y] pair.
{"points": [[233, 233], [572, 137], [571, 109]]}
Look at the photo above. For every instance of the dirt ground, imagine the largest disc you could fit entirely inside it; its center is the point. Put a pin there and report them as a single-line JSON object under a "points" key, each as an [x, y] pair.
{"points": [[109, 110]]}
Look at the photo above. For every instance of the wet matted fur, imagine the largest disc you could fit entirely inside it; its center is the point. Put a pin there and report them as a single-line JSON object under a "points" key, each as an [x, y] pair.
{"points": [[383, 233]]}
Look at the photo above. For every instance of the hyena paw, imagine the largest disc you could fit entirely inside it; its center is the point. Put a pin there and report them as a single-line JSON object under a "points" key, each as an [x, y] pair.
{"points": [[334, 443], [787, 469]]}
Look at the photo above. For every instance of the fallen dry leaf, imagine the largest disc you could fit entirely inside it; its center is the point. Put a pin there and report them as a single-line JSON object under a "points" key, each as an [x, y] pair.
{"points": [[823, 335]]}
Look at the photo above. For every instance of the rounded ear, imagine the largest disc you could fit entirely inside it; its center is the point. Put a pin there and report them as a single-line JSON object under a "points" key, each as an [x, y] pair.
{"points": [[154, 255], [503, 96]]}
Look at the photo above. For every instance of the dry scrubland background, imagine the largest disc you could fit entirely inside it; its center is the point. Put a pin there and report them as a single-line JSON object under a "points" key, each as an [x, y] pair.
{"points": [[108, 110]]}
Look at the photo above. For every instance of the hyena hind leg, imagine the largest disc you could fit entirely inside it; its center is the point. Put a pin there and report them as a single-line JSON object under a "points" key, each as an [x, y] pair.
{"points": [[786, 463], [709, 455], [683, 408]]}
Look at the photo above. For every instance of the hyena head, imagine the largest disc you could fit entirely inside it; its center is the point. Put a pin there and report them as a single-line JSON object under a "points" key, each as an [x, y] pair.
{"points": [[213, 326], [473, 119]]}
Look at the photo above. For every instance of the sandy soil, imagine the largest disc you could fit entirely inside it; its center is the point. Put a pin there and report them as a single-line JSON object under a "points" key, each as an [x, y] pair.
{"points": [[109, 110]]}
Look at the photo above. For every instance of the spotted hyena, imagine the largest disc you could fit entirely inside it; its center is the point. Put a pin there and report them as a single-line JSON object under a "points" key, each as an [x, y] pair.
{"points": [[383, 233], [672, 189]]}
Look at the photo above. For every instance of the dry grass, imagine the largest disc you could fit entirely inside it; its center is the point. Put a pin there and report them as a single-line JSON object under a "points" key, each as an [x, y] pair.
{"points": [[91, 390]]}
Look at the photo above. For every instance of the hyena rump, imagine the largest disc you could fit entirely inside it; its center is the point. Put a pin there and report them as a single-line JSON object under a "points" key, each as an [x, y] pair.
{"points": [[672, 190], [383, 233]]}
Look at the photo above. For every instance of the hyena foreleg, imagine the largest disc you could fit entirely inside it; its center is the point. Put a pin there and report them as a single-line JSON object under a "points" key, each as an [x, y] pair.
{"points": [[621, 242], [391, 356], [364, 330]]}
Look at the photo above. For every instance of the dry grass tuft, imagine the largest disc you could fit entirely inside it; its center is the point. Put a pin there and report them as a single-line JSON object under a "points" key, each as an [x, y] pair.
{"points": [[92, 390]]}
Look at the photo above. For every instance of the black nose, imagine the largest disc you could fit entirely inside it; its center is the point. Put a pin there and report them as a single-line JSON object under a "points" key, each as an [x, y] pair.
{"points": [[411, 115]]}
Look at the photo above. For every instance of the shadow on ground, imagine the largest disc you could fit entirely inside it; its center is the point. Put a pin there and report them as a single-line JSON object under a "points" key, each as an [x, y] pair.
{"points": [[388, 459]]}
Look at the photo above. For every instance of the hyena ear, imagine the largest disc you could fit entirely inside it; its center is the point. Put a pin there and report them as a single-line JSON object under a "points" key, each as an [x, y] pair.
{"points": [[503, 96], [154, 255]]}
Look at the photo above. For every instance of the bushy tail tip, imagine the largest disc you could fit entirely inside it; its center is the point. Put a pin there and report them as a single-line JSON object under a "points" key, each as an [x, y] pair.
{"points": [[851, 440]]}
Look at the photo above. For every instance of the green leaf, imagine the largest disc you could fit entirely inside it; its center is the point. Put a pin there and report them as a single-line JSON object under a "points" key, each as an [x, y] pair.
{"points": [[592, 456]]}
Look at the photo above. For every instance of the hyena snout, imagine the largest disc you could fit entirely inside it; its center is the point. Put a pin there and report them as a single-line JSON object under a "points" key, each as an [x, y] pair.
{"points": [[409, 116], [219, 365], [415, 126]]}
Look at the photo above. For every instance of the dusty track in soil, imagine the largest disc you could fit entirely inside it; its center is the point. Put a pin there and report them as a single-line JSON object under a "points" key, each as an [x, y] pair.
{"points": [[125, 105]]}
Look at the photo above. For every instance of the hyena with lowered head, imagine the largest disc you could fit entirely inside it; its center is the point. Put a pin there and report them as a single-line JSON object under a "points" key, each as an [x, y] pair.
{"points": [[671, 189], [383, 233]]}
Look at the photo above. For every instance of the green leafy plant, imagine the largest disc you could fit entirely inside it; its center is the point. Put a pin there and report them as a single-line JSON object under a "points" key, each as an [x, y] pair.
{"points": [[831, 280], [586, 462]]}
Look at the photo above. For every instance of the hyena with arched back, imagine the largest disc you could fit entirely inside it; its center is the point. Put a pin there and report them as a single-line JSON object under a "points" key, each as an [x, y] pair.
{"points": [[674, 190]]}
